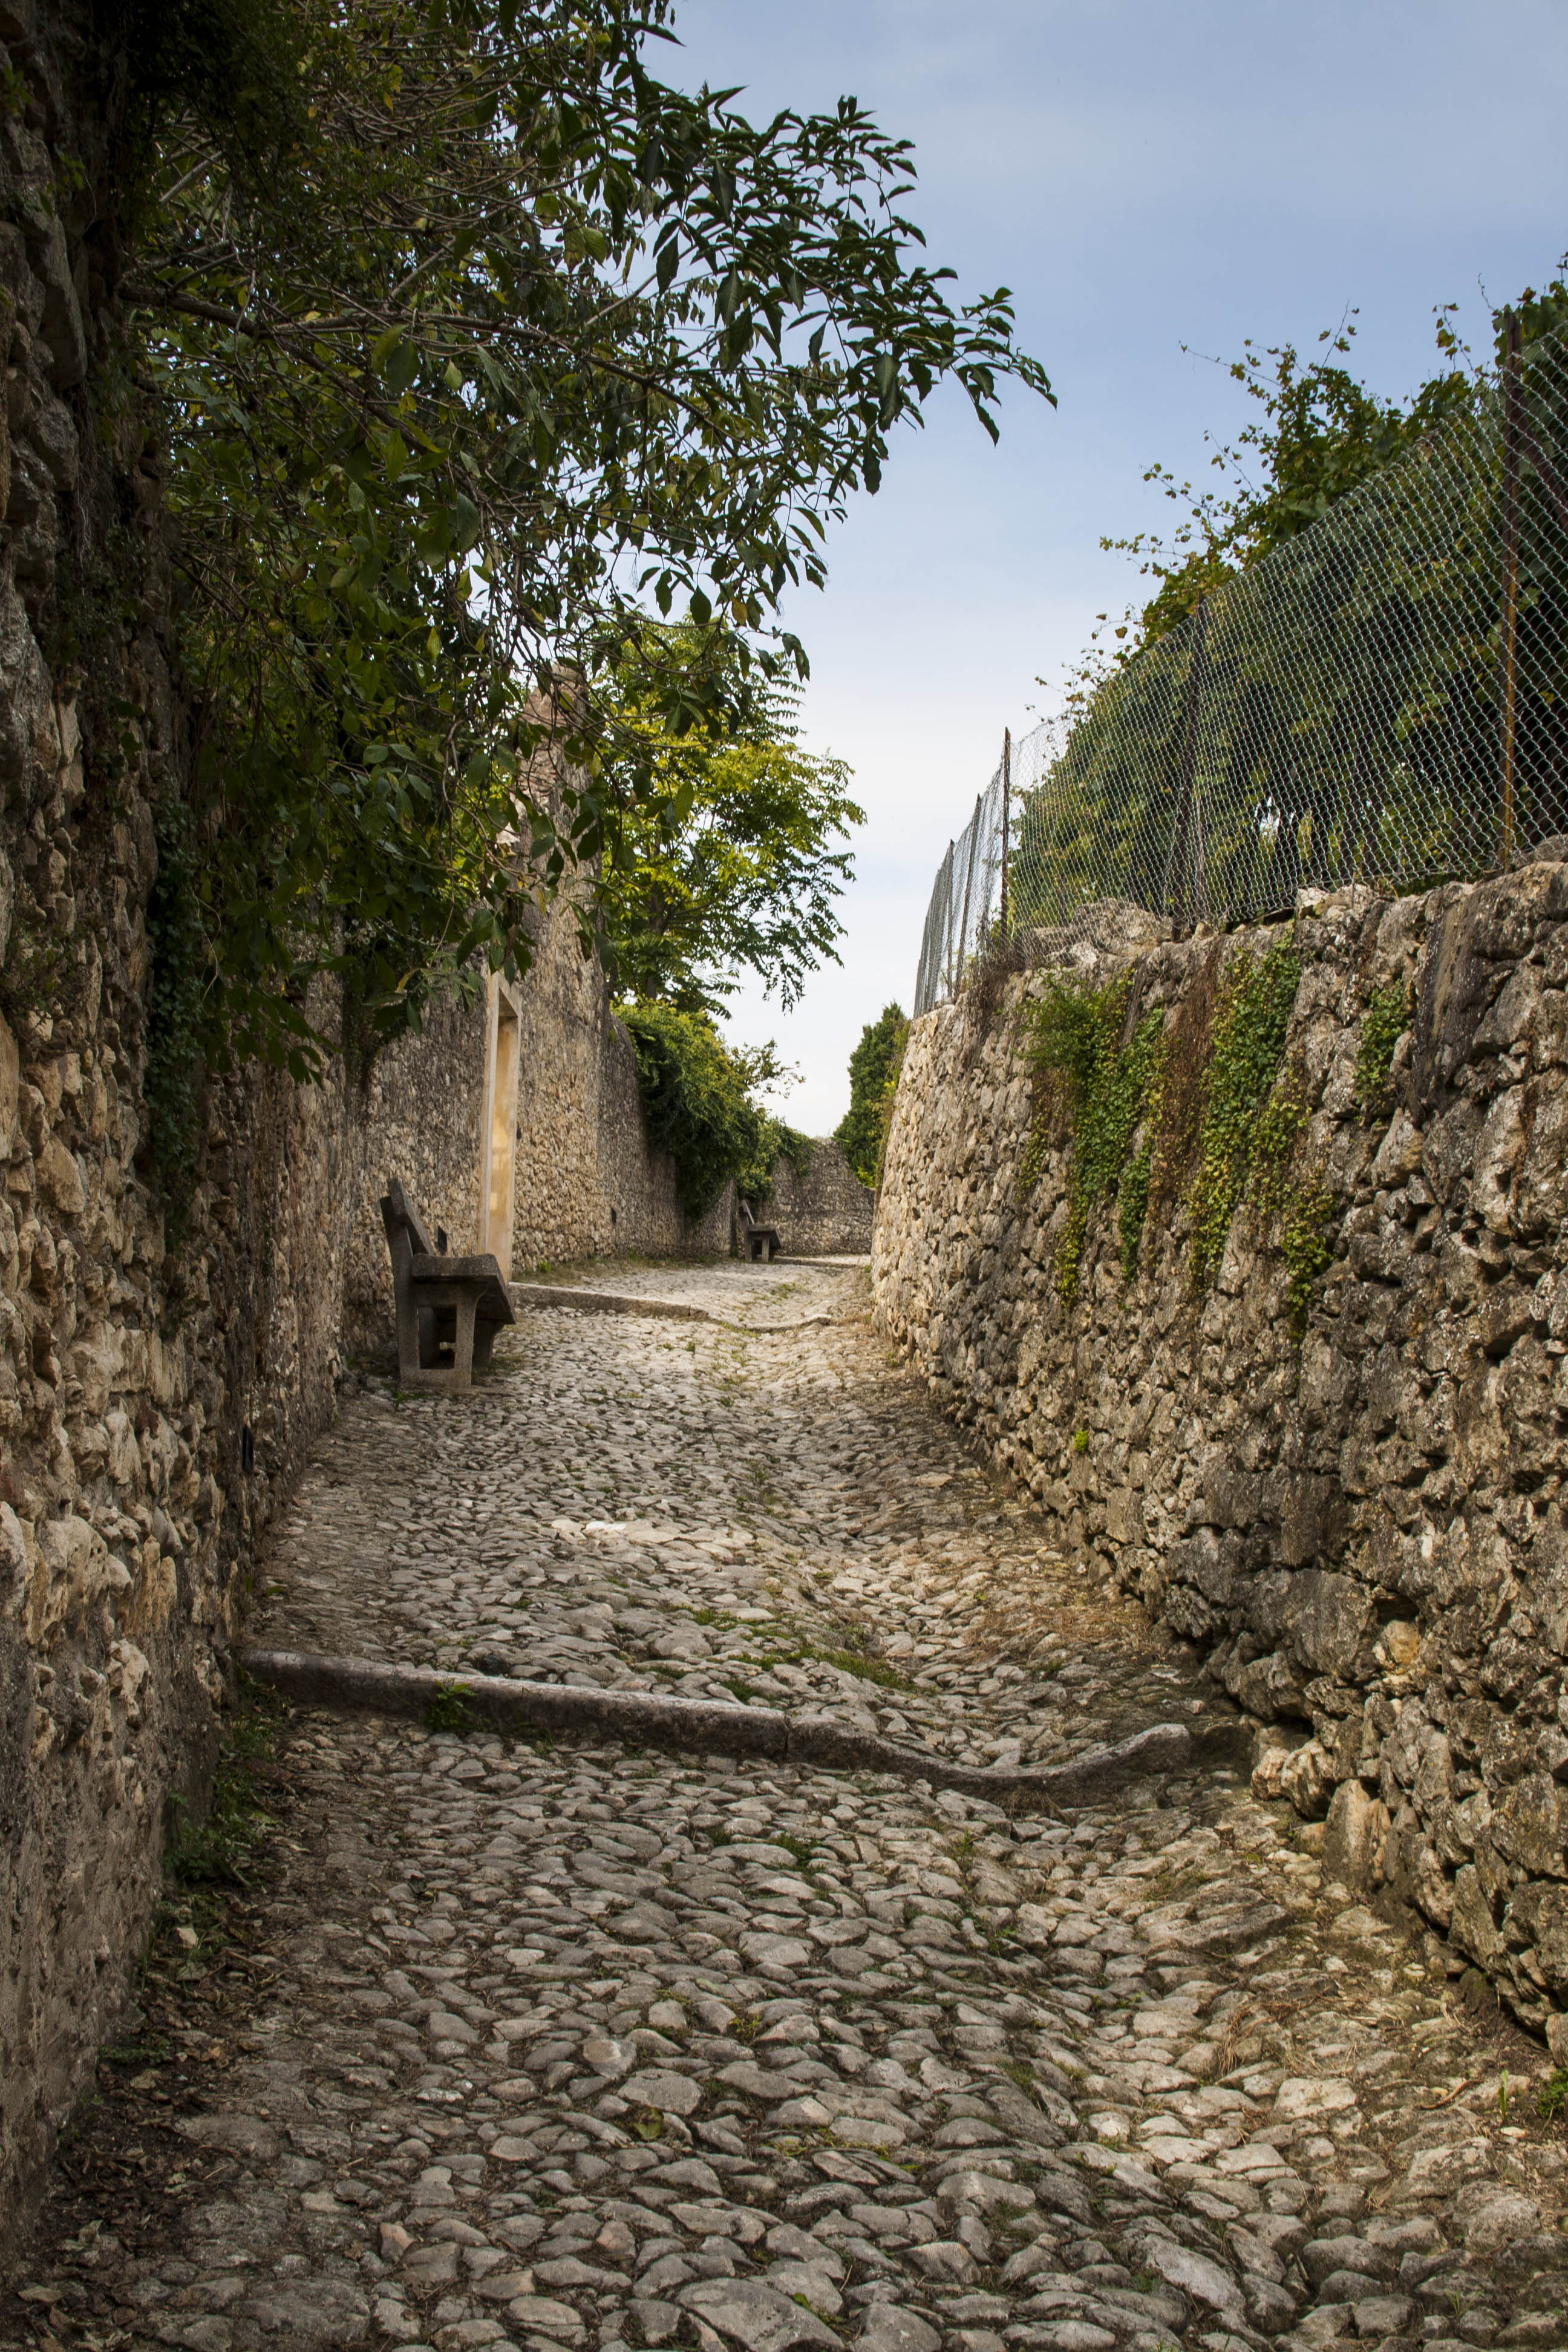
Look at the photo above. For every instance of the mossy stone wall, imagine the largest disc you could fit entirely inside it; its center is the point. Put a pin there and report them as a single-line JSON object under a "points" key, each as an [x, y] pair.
{"points": [[1318, 1418]]}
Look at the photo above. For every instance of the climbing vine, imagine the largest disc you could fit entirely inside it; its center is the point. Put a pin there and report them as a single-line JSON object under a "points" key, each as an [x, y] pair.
{"points": [[698, 1096], [1205, 1104], [1251, 1020], [1386, 1019], [1075, 1041]]}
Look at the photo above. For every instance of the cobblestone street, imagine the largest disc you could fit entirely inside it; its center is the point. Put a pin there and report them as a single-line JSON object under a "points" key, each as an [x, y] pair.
{"points": [[560, 2047]]}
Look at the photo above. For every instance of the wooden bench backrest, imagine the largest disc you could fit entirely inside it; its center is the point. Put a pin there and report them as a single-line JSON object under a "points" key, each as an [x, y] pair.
{"points": [[399, 1215]]}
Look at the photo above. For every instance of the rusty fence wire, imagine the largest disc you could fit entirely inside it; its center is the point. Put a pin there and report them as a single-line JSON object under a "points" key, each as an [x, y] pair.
{"points": [[1383, 699]]}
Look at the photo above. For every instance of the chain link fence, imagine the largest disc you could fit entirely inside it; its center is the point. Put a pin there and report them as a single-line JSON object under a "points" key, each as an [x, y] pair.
{"points": [[1381, 700]]}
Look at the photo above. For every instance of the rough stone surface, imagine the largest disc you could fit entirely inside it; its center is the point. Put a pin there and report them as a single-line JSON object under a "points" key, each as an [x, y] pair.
{"points": [[1360, 1529], [822, 1210], [567, 2046], [147, 1358]]}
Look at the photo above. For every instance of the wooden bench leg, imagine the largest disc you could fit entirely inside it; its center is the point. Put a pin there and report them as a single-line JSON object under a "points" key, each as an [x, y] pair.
{"points": [[463, 1345], [410, 1354]]}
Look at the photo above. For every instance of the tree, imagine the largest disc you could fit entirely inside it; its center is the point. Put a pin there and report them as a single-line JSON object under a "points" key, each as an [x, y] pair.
{"points": [[874, 1069], [729, 864], [471, 339], [1319, 435]]}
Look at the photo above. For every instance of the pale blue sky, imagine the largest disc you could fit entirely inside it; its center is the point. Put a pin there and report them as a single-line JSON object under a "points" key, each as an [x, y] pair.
{"points": [[1142, 175]]}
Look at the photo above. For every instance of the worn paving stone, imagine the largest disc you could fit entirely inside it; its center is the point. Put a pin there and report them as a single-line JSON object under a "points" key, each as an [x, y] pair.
{"points": [[558, 2048]]}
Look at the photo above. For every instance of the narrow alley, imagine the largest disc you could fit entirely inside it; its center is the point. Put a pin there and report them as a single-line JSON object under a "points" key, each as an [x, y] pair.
{"points": [[486, 2042]]}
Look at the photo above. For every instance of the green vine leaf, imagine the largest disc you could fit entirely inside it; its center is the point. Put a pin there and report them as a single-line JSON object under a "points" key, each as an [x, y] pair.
{"points": [[1073, 1040]]}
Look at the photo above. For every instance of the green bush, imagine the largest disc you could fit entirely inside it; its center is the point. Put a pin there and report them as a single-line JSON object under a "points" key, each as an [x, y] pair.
{"points": [[696, 1096]]}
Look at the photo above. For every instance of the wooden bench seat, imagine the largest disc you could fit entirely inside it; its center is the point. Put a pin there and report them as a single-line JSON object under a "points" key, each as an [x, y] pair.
{"points": [[442, 1302]]}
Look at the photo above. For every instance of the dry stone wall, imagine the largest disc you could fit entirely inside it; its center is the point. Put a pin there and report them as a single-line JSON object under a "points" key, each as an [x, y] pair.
{"points": [[587, 1180], [165, 1363], [1361, 1525], [822, 1209]]}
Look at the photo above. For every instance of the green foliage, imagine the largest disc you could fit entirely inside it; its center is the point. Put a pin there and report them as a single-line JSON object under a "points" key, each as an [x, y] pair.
{"points": [[1204, 1094], [1080, 1441], [1397, 601], [874, 1067], [1132, 1209], [469, 339], [1321, 434], [697, 1098], [1554, 2096], [228, 1845], [1385, 1022], [728, 864], [1302, 1206], [449, 1709], [1250, 1025], [776, 1140], [1074, 1041]]}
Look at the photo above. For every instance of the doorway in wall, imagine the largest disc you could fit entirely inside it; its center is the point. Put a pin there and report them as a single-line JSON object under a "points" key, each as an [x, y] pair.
{"points": [[497, 1162]]}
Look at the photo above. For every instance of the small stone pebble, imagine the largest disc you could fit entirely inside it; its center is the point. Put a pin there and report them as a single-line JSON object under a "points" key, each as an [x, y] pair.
{"points": [[552, 2047]]}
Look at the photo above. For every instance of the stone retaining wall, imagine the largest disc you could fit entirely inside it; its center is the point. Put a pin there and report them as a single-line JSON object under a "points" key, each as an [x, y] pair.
{"points": [[154, 1341], [586, 1181], [822, 1210], [1363, 1526]]}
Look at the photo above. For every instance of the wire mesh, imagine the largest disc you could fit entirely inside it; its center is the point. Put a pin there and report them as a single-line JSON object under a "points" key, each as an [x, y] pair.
{"points": [[1383, 699]]}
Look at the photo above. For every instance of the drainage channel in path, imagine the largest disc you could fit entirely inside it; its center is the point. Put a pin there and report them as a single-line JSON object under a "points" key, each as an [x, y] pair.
{"points": [[555, 2044]]}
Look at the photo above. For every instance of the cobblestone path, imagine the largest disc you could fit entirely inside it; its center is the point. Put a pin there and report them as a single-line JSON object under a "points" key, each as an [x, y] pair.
{"points": [[577, 2048]]}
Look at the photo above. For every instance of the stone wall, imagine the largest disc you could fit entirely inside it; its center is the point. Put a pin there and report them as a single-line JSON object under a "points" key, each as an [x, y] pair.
{"points": [[122, 1381], [586, 1181], [1362, 1525], [822, 1210], [143, 1338]]}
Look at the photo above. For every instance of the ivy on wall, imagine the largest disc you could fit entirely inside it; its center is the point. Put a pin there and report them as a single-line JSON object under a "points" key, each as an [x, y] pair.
{"points": [[1199, 1110], [1386, 1019], [1241, 1125], [1075, 1040], [697, 1098]]}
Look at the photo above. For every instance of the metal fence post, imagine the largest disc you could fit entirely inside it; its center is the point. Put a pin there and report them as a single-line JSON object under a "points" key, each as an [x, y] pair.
{"points": [[1513, 386], [1189, 765], [1006, 796], [968, 886]]}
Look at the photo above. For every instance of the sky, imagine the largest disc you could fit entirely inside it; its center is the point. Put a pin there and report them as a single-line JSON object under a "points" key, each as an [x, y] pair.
{"points": [[1155, 184]]}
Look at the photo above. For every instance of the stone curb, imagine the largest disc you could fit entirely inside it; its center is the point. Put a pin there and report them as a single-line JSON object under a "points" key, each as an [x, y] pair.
{"points": [[605, 1302], [653, 1719], [616, 1302]]}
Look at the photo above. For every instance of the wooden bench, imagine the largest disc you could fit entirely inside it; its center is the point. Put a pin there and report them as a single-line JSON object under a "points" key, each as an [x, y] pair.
{"points": [[442, 1302], [759, 1244]]}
